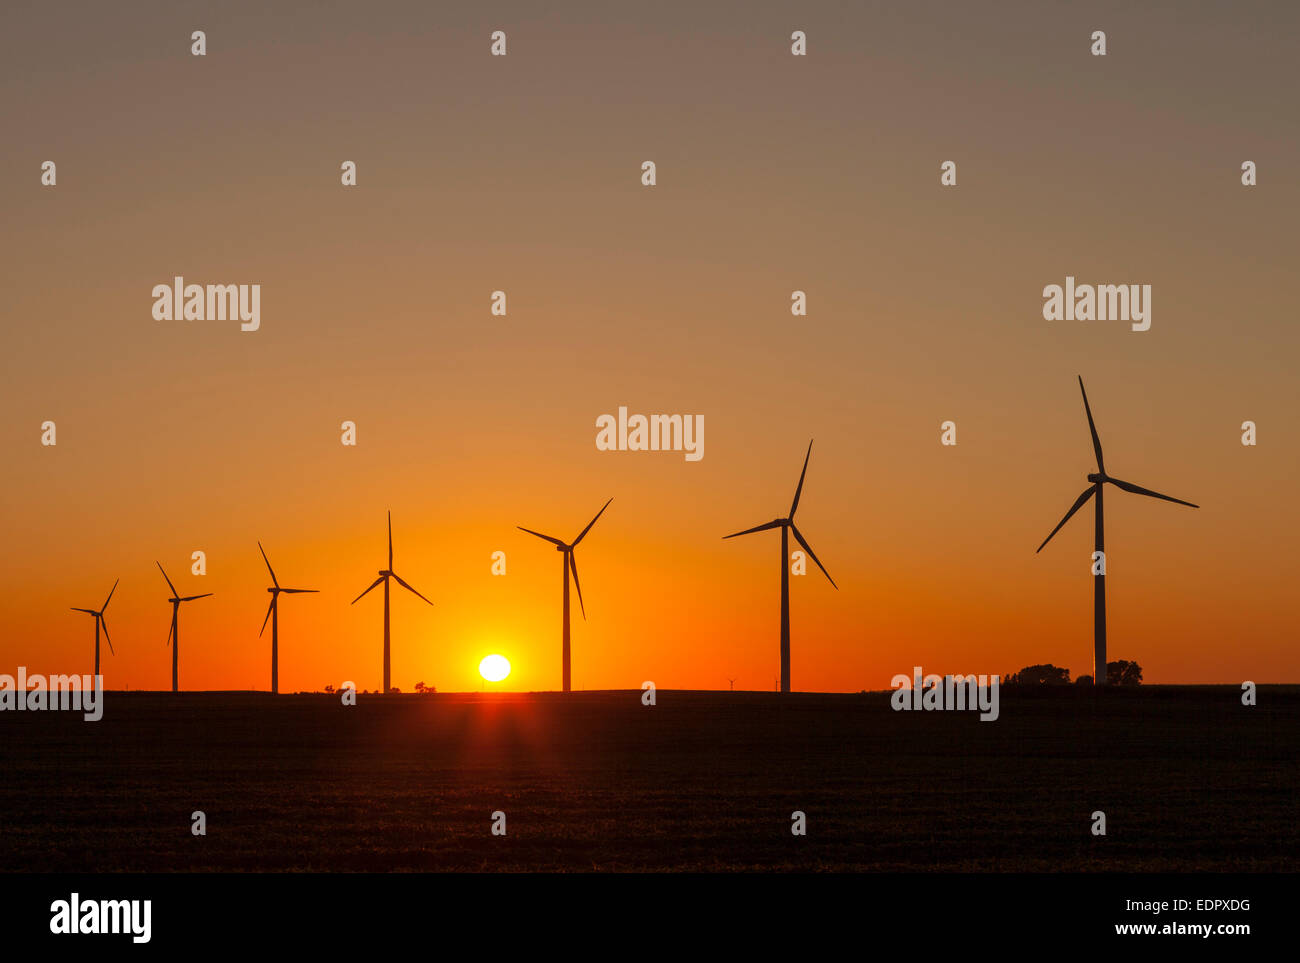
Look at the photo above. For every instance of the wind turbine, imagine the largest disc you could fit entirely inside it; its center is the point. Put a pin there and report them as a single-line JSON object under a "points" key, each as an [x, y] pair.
{"points": [[174, 636], [384, 576], [273, 613], [1098, 479], [787, 526], [567, 562], [99, 621]]}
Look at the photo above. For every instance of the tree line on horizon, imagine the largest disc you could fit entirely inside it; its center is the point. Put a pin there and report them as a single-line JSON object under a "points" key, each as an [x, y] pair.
{"points": [[1120, 672]]}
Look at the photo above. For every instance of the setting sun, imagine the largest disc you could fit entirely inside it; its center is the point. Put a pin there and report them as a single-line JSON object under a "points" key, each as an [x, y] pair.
{"points": [[494, 668]]}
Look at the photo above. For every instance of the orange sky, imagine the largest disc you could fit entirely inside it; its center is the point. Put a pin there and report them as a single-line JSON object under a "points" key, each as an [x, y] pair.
{"points": [[522, 174]]}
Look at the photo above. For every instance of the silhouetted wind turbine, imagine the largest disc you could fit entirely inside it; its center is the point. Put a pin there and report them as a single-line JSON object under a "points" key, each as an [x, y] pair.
{"points": [[787, 526], [174, 636], [384, 576], [273, 613], [1098, 479], [99, 621], [567, 562]]}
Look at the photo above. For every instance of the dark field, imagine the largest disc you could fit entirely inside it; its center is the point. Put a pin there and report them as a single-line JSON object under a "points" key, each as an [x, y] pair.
{"points": [[1189, 779]]}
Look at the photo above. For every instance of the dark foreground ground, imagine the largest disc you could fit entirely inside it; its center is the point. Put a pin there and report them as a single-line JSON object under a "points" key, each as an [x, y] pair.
{"points": [[1188, 778]]}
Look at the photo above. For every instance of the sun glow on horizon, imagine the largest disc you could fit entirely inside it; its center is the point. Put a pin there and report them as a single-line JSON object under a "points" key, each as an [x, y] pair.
{"points": [[494, 668]]}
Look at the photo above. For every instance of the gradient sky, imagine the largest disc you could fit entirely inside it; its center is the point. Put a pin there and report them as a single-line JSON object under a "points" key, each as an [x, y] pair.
{"points": [[775, 173]]}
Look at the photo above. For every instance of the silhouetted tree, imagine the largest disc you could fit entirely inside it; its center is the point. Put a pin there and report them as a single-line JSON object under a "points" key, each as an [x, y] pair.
{"points": [[1123, 672], [329, 690], [1039, 675], [1083, 680]]}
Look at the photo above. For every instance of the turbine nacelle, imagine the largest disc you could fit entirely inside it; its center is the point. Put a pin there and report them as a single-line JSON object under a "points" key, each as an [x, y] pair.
{"points": [[1097, 479]]}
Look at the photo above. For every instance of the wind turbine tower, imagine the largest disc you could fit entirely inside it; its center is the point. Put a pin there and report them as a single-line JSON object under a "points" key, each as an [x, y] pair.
{"points": [[788, 526], [567, 564], [1098, 480]]}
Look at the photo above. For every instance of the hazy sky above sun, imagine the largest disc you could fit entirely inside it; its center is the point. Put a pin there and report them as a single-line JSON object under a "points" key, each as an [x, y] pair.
{"points": [[522, 173]]}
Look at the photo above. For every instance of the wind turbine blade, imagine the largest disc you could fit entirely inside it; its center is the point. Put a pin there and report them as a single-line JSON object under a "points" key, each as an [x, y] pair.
{"points": [[191, 598], [169, 581], [1088, 492], [390, 540], [104, 625], [268, 565], [811, 554], [590, 523], [298, 591], [169, 633], [110, 596], [363, 594], [756, 528], [87, 611], [269, 609], [1096, 442], [1139, 490], [798, 491], [407, 587], [553, 541], [573, 564]]}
